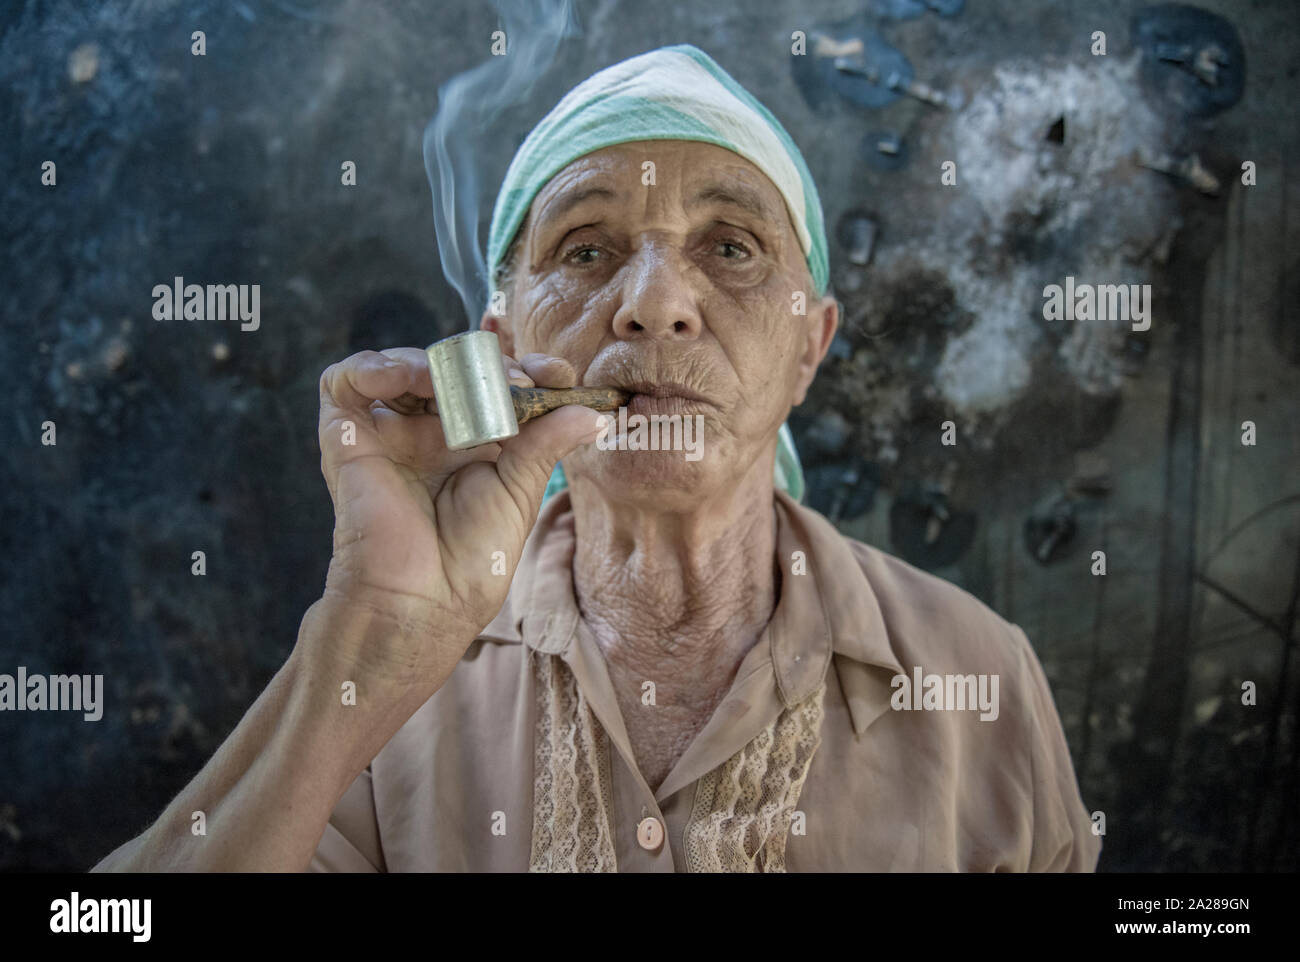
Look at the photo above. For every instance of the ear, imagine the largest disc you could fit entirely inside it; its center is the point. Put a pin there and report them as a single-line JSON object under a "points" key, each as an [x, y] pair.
{"points": [[490, 322], [822, 324]]}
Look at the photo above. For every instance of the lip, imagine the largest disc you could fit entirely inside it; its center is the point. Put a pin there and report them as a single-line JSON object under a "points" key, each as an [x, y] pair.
{"points": [[668, 404], [662, 390]]}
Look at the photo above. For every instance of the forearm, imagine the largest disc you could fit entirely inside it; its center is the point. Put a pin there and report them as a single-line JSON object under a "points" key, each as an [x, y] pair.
{"points": [[268, 792]]}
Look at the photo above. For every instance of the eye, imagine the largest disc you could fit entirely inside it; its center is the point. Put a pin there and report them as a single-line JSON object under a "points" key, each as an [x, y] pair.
{"points": [[582, 254], [733, 250]]}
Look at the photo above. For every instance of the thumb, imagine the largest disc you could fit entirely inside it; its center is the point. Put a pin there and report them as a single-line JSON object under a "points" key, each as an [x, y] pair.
{"points": [[527, 460]]}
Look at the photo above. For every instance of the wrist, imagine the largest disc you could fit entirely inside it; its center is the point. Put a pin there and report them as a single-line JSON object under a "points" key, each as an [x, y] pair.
{"points": [[391, 649]]}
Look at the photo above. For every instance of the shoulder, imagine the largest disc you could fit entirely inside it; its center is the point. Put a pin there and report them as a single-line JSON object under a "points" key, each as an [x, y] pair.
{"points": [[932, 621], [884, 612], [945, 631]]}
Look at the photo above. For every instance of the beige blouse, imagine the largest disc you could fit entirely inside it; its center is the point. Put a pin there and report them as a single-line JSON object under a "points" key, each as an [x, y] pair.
{"points": [[818, 758]]}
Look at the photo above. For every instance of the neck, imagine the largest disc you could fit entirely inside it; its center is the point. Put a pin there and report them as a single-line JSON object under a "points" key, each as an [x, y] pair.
{"points": [[667, 591]]}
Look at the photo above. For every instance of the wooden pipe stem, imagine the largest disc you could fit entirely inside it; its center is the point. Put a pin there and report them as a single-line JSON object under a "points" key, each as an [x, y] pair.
{"points": [[533, 402]]}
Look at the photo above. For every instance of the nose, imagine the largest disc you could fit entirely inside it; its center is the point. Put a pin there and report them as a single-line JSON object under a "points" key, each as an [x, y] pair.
{"points": [[658, 299]]}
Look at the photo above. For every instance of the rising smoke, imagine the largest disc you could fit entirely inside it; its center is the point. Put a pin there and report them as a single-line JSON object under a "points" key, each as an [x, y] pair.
{"points": [[461, 134]]}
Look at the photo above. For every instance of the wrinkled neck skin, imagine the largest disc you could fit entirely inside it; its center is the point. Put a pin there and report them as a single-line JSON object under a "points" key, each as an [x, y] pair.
{"points": [[678, 596]]}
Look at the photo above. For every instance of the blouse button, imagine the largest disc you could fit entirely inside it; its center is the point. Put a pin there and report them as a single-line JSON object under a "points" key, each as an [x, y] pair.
{"points": [[650, 833]]}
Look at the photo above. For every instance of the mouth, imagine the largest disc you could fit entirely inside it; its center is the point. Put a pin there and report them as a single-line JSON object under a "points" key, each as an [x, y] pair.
{"points": [[664, 398], [662, 390]]}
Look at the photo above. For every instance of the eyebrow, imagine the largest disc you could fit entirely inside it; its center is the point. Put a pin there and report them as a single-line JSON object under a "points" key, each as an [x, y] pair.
{"points": [[737, 195], [567, 201]]}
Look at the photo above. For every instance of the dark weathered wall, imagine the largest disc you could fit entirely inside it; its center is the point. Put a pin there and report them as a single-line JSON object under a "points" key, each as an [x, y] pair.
{"points": [[177, 436]]}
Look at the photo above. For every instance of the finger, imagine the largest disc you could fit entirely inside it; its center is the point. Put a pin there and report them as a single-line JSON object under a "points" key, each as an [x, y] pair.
{"points": [[515, 373], [417, 362], [549, 371], [355, 382], [409, 404], [449, 462], [419, 443], [527, 460], [418, 399]]}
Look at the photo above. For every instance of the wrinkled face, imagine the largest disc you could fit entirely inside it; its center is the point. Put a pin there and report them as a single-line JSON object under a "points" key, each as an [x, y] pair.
{"points": [[671, 269]]}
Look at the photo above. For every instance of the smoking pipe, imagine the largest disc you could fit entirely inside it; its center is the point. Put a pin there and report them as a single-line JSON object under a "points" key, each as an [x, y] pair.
{"points": [[477, 405]]}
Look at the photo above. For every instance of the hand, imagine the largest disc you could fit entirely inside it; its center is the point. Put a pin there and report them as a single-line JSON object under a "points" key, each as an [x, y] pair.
{"points": [[416, 525]]}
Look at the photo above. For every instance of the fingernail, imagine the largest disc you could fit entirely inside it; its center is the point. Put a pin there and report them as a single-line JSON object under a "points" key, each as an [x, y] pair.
{"points": [[516, 372]]}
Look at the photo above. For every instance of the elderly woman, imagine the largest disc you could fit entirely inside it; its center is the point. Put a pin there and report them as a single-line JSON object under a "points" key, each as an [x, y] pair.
{"points": [[653, 663]]}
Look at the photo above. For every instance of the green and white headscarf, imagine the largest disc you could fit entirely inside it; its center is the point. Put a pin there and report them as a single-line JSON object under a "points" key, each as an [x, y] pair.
{"points": [[674, 93]]}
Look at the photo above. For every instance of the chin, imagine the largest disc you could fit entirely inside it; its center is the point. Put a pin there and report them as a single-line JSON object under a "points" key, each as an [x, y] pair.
{"points": [[664, 479]]}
